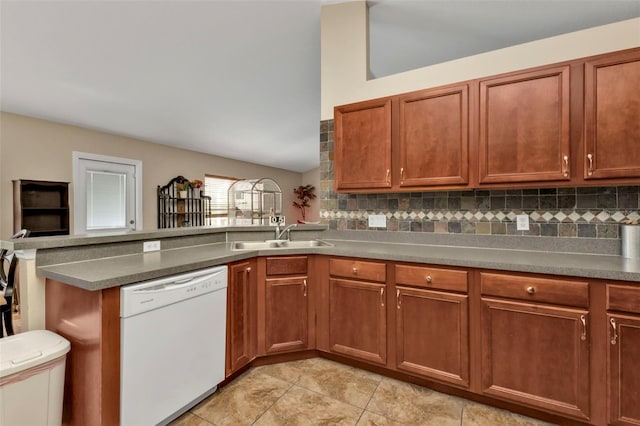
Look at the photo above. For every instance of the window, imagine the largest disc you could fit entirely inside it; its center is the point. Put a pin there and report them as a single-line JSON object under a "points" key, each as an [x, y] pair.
{"points": [[216, 187]]}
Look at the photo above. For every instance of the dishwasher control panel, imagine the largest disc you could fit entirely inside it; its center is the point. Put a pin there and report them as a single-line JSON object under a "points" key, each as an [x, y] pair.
{"points": [[147, 295]]}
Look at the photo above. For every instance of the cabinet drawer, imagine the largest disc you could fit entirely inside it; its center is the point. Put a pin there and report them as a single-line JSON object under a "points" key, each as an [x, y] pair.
{"points": [[623, 298], [547, 290], [372, 271], [288, 265], [428, 277]]}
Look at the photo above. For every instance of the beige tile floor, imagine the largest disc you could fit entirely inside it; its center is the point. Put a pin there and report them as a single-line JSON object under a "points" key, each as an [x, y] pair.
{"points": [[321, 392]]}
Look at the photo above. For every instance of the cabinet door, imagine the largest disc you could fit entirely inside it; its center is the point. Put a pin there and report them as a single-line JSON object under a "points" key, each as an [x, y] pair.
{"points": [[536, 355], [358, 320], [524, 127], [612, 116], [241, 326], [286, 314], [432, 334], [363, 145], [624, 374], [434, 129]]}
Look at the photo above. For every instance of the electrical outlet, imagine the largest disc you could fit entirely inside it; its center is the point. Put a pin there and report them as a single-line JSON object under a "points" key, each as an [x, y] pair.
{"points": [[377, 221], [151, 246], [522, 222]]}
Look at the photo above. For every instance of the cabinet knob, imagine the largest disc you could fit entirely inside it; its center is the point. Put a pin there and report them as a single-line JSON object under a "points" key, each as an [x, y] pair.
{"points": [[429, 278], [248, 269], [531, 289], [355, 271]]}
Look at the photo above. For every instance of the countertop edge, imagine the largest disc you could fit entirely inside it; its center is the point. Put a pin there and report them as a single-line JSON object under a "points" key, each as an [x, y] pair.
{"points": [[152, 265]]}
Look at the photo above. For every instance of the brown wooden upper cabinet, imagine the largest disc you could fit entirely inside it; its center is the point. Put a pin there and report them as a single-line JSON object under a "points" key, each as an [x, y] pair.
{"points": [[612, 116], [524, 127], [516, 129], [434, 137], [363, 145]]}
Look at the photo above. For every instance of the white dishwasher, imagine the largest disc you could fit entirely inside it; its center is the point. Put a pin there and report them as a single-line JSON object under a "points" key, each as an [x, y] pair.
{"points": [[172, 344]]}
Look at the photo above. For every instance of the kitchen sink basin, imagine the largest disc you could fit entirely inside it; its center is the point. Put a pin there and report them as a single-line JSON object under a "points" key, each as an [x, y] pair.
{"points": [[278, 244]]}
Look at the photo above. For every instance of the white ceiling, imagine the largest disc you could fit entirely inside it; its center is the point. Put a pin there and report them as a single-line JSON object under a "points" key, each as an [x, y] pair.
{"points": [[405, 35], [238, 79]]}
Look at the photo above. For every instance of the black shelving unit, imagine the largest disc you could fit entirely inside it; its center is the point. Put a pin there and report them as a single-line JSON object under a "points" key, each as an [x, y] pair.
{"points": [[175, 211], [40, 206]]}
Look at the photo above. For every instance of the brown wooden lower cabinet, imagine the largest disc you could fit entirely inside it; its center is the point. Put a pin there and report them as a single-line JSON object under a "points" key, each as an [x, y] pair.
{"points": [[358, 320], [624, 374], [432, 334], [283, 304], [241, 315], [537, 355], [286, 327], [623, 322]]}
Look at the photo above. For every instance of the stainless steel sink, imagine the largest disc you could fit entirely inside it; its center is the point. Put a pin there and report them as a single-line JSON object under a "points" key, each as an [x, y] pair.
{"points": [[278, 244]]}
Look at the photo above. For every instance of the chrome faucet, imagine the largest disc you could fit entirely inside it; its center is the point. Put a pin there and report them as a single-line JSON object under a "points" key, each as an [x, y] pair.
{"points": [[279, 233]]}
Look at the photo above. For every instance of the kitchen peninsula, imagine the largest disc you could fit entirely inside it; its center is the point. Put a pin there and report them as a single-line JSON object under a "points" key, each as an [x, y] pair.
{"points": [[469, 300]]}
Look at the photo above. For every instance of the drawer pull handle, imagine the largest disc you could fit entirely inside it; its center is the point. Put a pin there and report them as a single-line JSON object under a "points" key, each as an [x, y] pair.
{"points": [[305, 288], [590, 158], [355, 271], [614, 337], [531, 289], [566, 166], [398, 298], [429, 279], [381, 296], [583, 320]]}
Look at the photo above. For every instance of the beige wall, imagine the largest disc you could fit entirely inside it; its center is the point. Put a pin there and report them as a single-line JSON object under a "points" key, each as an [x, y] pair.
{"points": [[344, 38], [37, 149]]}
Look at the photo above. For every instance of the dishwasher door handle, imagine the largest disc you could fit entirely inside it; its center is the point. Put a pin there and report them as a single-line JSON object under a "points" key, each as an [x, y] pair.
{"points": [[174, 285], [165, 287]]}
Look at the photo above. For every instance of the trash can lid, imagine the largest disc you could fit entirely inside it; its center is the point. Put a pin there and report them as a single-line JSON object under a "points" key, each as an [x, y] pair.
{"points": [[31, 348]]}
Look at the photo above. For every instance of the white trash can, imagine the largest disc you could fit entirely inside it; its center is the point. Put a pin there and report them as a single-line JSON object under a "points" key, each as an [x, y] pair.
{"points": [[32, 378]]}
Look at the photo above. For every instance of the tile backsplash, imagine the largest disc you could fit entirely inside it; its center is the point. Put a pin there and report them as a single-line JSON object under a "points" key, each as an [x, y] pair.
{"points": [[593, 212]]}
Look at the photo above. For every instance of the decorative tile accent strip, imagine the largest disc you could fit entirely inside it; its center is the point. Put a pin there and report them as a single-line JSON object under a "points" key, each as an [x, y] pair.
{"points": [[593, 212]]}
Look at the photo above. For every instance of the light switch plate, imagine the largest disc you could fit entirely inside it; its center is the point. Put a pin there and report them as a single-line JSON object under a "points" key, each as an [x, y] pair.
{"points": [[377, 221], [151, 246], [522, 222]]}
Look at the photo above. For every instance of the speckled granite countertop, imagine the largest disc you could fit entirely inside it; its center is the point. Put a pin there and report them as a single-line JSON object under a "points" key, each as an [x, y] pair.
{"points": [[119, 270]]}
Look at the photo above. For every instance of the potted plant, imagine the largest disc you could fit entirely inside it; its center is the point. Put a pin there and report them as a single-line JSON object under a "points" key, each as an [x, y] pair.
{"points": [[182, 187], [304, 193], [195, 187]]}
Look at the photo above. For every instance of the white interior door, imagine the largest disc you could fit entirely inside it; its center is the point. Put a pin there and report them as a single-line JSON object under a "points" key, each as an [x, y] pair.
{"points": [[105, 195]]}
